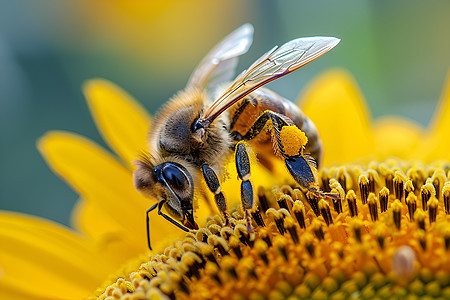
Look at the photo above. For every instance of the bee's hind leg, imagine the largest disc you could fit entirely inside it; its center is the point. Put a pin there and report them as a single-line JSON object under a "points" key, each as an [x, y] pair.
{"points": [[243, 170], [214, 186], [303, 170]]}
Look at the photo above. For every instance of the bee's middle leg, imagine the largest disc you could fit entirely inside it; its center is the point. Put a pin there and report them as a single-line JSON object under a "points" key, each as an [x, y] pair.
{"points": [[214, 186], [243, 170]]}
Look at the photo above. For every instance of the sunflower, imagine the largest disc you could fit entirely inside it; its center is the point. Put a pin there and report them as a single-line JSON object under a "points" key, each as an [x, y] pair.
{"points": [[387, 235]]}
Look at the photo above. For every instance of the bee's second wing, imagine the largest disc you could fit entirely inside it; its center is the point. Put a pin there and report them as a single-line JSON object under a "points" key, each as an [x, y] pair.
{"points": [[272, 65], [219, 64]]}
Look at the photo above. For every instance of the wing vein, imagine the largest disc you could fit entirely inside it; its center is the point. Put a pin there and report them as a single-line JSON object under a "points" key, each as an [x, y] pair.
{"points": [[272, 65]]}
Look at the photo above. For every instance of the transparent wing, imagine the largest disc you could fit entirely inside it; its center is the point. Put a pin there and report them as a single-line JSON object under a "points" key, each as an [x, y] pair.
{"points": [[272, 65], [220, 63]]}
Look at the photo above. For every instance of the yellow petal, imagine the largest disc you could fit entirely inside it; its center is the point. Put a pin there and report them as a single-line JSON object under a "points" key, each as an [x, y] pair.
{"points": [[335, 104], [42, 259], [108, 235], [122, 122], [437, 145], [87, 217], [99, 178], [396, 137]]}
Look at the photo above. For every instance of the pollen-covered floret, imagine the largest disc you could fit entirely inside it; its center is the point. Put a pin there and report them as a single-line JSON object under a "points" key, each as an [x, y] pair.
{"points": [[381, 240]]}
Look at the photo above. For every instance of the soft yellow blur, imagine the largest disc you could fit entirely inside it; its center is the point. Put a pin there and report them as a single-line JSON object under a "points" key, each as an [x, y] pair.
{"points": [[335, 104]]}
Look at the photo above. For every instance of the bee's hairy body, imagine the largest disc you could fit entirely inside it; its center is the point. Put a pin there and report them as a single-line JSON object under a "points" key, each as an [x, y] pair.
{"points": [[193, 135], [171, 133]]}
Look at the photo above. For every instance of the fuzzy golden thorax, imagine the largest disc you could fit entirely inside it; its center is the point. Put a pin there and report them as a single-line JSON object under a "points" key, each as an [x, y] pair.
{"points": [[171, 135]]}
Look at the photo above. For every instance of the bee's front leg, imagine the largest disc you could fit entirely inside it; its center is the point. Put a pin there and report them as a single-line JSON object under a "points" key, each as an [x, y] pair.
{"points": [[214, 186], [243, 170]]}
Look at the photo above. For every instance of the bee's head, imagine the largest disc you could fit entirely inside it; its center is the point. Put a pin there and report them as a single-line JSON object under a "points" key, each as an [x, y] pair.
{"points": [[169, 182]]}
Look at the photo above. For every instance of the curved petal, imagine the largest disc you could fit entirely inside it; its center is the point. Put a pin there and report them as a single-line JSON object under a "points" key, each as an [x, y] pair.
{"points": [[87, 217], [335, 104], [396, 137], [123, 123], [437, 143], [100, 179], [108, 235], [37, 254]]}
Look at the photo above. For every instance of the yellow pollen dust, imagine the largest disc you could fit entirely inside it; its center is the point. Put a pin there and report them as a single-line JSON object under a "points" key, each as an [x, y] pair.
{"points": [[372, 243], [293, 140]]}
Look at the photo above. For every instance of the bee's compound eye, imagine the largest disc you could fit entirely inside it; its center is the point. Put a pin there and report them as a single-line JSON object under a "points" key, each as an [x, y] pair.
{"points": [[175, 177]]}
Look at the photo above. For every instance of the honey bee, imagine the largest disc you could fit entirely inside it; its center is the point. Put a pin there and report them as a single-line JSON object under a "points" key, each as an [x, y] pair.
{"points": [[194, 133]]}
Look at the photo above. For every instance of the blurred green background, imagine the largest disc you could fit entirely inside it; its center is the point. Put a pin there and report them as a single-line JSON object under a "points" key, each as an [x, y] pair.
{"points": [[398, 51]]}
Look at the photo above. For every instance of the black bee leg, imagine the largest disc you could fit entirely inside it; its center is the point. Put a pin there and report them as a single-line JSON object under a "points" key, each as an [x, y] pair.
{"points": [[171, 220], [278, 122], [159, 205], [214, 186], [243, 170], [303, 170], [148, 224]]}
